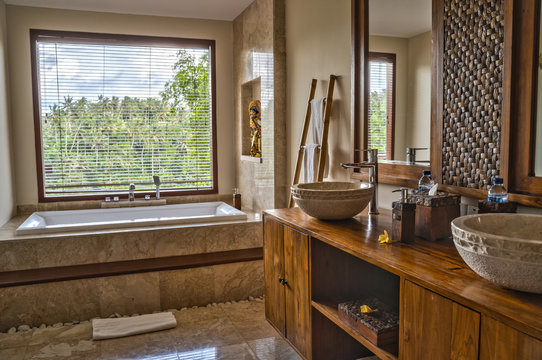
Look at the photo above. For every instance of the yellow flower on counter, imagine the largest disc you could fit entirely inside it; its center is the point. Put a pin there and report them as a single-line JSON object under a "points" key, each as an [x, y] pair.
{"points": [[385, 239], [365, 309]]}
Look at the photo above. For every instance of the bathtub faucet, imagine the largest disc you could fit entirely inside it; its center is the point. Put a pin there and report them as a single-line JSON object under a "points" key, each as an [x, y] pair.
{"points": [[157, 183], [131, 191]]}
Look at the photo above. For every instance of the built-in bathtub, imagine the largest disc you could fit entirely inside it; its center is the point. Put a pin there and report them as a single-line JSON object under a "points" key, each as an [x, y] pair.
{"points": [[43, 222], [83, 273]]}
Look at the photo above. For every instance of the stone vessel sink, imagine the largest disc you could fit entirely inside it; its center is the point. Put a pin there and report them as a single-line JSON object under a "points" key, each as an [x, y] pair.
{"points": [[505, 249], [332, 200]]}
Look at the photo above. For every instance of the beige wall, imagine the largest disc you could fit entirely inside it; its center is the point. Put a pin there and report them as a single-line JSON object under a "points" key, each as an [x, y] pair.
{"points": [[418, 131], [317, 45], [6, 170], [21, 19], [399, 47]]}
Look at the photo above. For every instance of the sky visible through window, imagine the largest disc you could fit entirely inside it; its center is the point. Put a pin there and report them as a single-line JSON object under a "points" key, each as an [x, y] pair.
{"points": [[108, 70]]}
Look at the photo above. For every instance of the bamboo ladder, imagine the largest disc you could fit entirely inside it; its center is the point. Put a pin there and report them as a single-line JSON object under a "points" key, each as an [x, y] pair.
{"points": [[306, 125]]}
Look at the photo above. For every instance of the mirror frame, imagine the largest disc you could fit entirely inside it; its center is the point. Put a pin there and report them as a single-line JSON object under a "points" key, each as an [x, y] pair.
{"points": [[519, 102], [392, 174], [524, 97]]}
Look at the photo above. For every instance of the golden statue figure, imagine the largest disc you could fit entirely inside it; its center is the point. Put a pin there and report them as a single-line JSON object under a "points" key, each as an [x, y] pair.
{"points": [[255, 128]]}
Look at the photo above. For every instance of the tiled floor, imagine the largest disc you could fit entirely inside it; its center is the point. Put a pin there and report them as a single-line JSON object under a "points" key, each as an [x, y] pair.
{"points": [[226, 331]]}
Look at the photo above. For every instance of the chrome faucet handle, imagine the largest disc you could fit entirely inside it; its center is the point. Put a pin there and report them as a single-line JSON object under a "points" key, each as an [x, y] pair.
{"points": [[156, 180], [372, 154], [131, 190], [411, 154]]}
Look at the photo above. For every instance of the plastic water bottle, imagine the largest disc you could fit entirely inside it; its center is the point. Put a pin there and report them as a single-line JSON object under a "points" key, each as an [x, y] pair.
{"points": [[426, 182], [497, 193]]}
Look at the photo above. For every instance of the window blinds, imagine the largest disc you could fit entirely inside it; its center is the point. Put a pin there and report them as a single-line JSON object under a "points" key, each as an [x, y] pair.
{"points": [[114, 114], [380, 105]]}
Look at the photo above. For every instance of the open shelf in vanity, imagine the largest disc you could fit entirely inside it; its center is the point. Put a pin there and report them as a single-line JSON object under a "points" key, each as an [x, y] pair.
{"points": [[337, 277]]}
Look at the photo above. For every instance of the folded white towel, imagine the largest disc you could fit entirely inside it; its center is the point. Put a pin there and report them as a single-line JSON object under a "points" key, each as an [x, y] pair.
{"points": [[120, 327], [310, 162]]}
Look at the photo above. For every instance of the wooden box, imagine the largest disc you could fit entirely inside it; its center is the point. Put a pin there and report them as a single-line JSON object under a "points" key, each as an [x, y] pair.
{"points": [[380, 328], [434, 214]]}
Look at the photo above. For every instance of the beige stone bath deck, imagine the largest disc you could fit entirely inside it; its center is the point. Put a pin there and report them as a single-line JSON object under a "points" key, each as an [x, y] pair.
{"points": [[82, 299]]}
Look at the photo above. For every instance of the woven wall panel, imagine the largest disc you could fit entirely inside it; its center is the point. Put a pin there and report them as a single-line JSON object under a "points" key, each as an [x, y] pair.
{"points": [[472, 74]]}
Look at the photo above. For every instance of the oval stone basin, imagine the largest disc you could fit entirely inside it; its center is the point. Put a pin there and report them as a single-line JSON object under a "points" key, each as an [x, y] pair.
{"points": [[505, 249], [332, 200]]}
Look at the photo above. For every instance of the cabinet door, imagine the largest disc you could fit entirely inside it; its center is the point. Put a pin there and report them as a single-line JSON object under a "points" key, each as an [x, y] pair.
{"points": [[298, 305], [273, 252], [434, 327], [502, 342]]}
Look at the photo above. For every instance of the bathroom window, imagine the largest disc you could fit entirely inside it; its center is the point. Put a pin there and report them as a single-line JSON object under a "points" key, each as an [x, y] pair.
{"points": [[111, 110], [381, 103]]}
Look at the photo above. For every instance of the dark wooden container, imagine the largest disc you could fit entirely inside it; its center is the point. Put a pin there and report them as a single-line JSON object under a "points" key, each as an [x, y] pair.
{"points": [[434, 214], [380, 328], [403, 221], [485, 207]]}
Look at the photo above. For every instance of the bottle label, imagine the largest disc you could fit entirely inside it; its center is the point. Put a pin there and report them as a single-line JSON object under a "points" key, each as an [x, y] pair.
{"points": [[497, 198]]}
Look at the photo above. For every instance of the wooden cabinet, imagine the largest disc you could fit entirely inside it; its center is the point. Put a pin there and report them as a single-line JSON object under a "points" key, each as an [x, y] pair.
{"points": [[287, 296], [434, 327], [446, 311], [501, 342]]}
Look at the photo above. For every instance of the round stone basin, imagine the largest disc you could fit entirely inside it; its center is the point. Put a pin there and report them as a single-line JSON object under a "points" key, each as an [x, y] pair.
{"points": [[503, 248], [332, 200]]}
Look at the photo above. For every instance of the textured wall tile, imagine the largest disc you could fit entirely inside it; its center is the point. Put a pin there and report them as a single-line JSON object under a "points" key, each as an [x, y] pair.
{"points": [[189, 287], [181, 241], [18, 255], [239, 280], [129, 294]]}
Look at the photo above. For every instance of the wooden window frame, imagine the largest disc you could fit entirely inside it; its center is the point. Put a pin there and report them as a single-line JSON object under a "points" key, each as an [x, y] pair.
{"points": [[390, 123], [102, 38]]}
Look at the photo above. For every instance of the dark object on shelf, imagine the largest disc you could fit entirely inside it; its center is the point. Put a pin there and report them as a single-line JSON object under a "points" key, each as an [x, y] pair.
{"points": [[403, 218], [434, 214], [486, 207], [380, 328], [236, 199]]}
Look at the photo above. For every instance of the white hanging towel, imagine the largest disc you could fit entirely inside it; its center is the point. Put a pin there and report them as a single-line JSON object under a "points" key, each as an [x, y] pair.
{"points": [[120, 327], [312, 151], [310, 162]]}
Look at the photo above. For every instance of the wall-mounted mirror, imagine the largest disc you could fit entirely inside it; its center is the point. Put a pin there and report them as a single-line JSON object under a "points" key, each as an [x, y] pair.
{"points": [[399, 66]]}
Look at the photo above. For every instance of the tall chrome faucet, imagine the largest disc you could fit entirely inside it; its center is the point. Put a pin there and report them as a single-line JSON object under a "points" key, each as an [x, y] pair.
{"points": [[131, 192], [157, 183], [372, 165]]}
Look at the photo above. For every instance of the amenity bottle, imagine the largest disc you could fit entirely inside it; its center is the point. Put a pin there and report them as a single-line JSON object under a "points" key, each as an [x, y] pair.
{"points": [[497, 193], [426, 182]]}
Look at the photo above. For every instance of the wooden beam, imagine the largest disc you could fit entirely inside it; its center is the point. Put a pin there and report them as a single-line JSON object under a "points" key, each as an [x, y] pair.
{"points": [[86, 271]]}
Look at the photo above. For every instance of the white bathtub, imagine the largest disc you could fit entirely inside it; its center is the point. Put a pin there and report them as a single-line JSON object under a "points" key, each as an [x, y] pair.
{"points": [[81, 220]]}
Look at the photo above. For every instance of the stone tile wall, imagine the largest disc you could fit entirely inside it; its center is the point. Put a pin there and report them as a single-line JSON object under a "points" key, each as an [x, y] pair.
{"points": [[66, 301]]}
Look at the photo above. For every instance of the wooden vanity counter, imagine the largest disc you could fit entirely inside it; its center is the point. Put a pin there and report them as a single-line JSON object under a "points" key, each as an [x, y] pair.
{"points": [[433, 266]]}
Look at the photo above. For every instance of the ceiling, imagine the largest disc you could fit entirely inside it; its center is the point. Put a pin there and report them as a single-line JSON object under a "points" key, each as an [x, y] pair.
{"points": [[198, 9], [399, 18]]}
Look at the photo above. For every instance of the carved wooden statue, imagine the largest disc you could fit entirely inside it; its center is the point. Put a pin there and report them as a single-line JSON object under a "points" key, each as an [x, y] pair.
{"points": [[255, 128]]}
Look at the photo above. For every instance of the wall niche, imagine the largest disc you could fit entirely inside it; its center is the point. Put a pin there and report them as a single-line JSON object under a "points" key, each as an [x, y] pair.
{"points": [[250, 90]]}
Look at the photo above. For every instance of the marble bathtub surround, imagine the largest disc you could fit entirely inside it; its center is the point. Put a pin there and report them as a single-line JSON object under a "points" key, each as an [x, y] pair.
{"points": [[234, 330], [143, 293], [65, 249]]}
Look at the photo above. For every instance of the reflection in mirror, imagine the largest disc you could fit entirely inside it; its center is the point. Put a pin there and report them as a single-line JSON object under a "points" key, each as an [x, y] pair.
{"points": [[400, 78], [538, 141]]}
